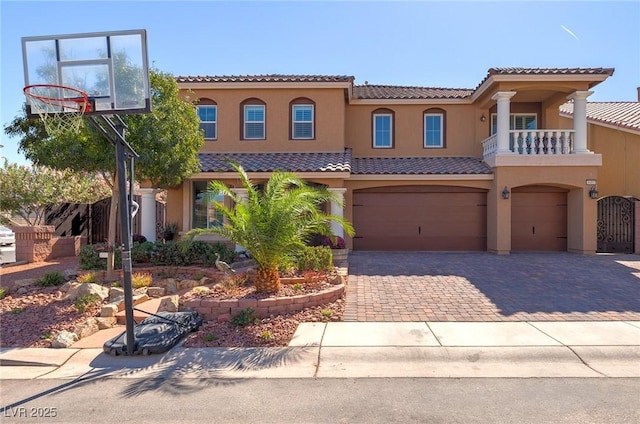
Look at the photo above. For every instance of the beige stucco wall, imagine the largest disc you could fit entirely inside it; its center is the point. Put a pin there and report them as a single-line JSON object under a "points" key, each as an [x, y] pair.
{"points": [[620, 171], [463, 132], [581, 209], [329, 120]]}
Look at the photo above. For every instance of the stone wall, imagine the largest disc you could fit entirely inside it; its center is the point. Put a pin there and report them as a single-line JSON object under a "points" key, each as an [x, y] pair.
{"points": [[212, 309], [39, 243]]}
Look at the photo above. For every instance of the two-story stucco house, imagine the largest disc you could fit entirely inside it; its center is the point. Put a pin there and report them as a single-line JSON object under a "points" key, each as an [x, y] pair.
{"points": [[493, 168]]}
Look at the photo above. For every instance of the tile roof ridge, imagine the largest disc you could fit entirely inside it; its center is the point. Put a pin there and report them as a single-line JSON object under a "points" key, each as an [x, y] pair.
{"points": [[410, 86]]}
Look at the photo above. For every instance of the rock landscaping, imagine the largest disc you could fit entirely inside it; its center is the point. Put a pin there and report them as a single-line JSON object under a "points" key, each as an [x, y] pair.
{"points": [[235, 315]]}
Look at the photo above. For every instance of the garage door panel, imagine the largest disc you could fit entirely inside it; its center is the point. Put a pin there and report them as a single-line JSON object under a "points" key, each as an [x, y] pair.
{"points": [[420, 221], [539, 221]]}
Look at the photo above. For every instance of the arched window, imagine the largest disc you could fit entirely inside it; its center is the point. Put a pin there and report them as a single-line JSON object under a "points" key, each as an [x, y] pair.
{"points": [[434, 128], [382, 128], [303, 119], [208, 114], [254, 119]]}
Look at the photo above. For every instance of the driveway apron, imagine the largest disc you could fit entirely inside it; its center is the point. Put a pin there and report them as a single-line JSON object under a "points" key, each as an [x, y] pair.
{"points": [[428, 286]]}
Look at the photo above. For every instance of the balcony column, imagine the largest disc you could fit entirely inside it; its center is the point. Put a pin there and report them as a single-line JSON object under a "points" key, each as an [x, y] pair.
{"points": [[148, 213], [337, 210], [580, 120], [503, 98]]}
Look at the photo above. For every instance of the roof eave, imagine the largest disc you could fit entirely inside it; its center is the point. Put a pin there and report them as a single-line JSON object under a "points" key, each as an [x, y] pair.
{"points": [[440, 101], [492, 79], [618, 126], [220, 85]]}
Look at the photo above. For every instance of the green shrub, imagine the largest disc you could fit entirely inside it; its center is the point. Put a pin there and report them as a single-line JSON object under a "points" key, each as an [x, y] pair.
{"points": [[86, 301], [314, 258], [168, 253], [200, 252], [90, 257], [3, 292], [51, 279], [244, 318], [141, 252]]}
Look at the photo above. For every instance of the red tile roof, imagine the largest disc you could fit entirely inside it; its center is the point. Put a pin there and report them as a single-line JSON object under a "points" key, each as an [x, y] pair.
{"points": [[419, 166], [551, 71], [266, 78], [400, 92], [342, 162], [618, 114], [269, 162]]}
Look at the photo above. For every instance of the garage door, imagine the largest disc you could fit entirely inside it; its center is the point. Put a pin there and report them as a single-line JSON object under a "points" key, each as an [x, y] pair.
{"points": [[420, 218], [539, 219]]}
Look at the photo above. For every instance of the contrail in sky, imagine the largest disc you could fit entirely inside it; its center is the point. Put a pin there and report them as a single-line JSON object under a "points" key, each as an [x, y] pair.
{"points": [[570, 32]]}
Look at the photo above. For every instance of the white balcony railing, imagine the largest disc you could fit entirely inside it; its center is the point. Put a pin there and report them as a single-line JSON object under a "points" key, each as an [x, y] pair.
{"points": [[533, 143]]}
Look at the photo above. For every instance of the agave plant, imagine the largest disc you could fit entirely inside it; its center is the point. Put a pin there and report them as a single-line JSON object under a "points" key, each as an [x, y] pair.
{"points": [[272, 223]]}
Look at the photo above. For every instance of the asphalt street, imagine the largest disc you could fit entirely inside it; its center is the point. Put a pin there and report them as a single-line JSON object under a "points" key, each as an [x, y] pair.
{"points": [[369, 400]]}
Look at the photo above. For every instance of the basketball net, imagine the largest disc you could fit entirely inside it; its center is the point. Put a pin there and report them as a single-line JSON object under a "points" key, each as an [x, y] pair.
{"points": [[60, 108]]}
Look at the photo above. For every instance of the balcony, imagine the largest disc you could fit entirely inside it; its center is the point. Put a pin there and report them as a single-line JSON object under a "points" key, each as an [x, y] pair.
{"points": [[541, 147]]}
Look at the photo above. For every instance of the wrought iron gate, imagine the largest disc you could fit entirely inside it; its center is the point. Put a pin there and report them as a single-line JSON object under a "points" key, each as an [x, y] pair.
{"points": [[616, 216]]}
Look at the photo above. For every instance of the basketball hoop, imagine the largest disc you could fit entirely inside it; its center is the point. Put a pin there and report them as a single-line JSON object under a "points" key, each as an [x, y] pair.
{"points": [[60, 108]]}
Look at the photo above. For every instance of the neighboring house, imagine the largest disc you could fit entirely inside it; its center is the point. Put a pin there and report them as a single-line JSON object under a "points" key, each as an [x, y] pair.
{"points": [[614, 132], [494, 168]]}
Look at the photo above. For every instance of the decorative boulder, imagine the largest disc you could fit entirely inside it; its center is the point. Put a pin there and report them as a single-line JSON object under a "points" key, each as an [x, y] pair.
{"points": [[87, 328], [88, 289], [169, 304], [64, 339]]}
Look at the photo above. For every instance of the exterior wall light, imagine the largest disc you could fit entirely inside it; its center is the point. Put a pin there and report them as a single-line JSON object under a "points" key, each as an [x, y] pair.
{"points": [[483, 118], [593, 192], [505, 193]]}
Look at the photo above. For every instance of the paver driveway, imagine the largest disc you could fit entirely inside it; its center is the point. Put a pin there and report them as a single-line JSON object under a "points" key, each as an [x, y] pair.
{"points": [[426, 286]]}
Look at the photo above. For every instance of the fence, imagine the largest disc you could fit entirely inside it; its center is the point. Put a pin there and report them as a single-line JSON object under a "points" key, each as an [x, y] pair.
{"points": [[92, 220]]}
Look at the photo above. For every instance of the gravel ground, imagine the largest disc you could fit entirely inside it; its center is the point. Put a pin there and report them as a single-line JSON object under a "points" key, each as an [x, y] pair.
{"points": [[30, 319]]}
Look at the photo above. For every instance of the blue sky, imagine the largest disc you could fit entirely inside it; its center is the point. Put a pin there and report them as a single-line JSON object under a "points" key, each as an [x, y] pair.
{"points": [[425, 43]]}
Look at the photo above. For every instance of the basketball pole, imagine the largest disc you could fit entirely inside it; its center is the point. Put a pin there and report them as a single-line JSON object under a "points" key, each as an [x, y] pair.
{"points": [[115, 132]]}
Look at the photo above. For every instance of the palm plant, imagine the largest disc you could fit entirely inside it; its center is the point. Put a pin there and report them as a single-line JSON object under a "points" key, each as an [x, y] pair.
{"points": [[273, 223]]}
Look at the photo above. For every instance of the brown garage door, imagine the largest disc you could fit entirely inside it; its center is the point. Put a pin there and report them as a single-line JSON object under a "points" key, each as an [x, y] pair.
{"points": [[420, 218], [539, 219]]}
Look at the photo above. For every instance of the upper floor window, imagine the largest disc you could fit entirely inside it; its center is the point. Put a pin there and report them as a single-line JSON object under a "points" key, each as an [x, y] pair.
{"points": [[517, 121], [382, 129], [254, 120], [208, 115], [434, 128], [302, 121]]}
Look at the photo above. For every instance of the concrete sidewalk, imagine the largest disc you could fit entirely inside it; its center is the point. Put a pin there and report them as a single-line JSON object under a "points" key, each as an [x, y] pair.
{"points": [[370, 349]]}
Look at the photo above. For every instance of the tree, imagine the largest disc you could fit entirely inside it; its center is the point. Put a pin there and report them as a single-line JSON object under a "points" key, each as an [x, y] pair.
{"points": [[27, 191], [167, 140], [273, 223]]}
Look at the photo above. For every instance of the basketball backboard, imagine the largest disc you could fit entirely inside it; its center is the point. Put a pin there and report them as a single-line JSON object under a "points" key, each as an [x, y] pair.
{"points": [[112, 68]]}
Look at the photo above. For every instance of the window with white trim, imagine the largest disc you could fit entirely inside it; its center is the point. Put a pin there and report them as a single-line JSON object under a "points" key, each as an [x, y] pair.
{"points": [[433, 130], [517, 121], [208, 115], [382, 130], [254, 122], [302, 122]]}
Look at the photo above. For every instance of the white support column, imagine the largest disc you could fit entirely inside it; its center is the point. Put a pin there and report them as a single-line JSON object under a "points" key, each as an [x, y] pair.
{"points": [[337, 210], [580, 120], [504, 111], [148, 211]]}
